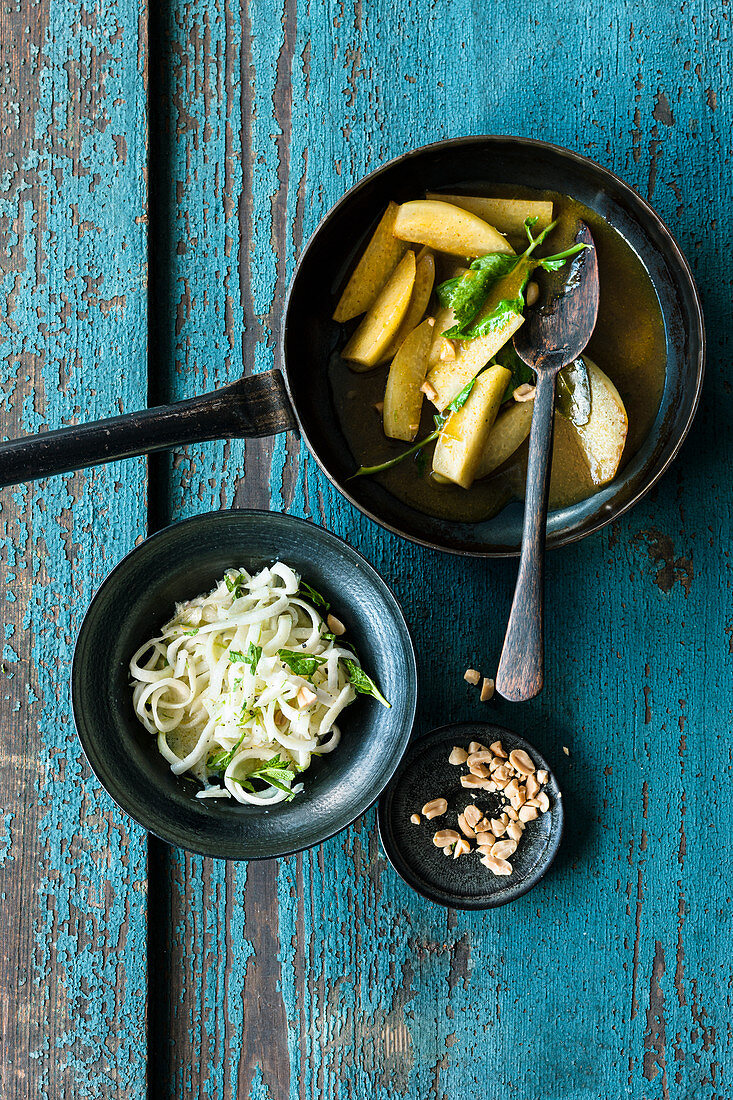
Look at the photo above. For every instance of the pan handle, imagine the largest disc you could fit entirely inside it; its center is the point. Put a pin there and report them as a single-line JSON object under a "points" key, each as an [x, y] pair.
{"points": [[254, 406]]}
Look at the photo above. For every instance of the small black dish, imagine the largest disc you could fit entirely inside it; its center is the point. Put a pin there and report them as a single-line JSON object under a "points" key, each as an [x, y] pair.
{"points": [[139, 595], [425, 774]]}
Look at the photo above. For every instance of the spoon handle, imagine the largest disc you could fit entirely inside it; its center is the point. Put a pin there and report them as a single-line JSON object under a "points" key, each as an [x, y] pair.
{"points": [[522, 664]]}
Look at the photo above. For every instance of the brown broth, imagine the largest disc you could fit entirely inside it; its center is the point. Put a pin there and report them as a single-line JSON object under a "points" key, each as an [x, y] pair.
{"points": [[628, 344]]}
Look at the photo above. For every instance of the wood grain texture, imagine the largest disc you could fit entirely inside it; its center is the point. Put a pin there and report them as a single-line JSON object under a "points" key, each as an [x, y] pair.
{"points": [[324, 976], [72, 345]]}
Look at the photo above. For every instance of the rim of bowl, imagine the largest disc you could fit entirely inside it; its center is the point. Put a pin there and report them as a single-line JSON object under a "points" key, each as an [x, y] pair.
{"points": [[419, 885], [566, 538], [263, 514]]}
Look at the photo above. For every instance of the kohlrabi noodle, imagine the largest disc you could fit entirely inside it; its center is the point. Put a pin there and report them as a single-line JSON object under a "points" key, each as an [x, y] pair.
{"points": [[244, 686]]}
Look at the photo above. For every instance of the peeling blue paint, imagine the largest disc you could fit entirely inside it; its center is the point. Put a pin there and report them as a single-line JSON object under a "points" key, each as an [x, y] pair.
{"points": [[385, 995], [74, 330], [604, 979]]}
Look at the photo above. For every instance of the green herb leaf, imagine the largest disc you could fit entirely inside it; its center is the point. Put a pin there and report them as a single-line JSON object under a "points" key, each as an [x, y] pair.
{"points": [[554, 263], [521, 373], [302, 664], [550, 265], [273, 783], [307, 593], [574, 393], [469, 293], [235, 656], [252, 657], [362, 682], [190, 633], [529, 224], [496, 318], [275, 772], [218, 762], [235, 584], [467, 296], [460, 399], [446, 291], [339, 640]]}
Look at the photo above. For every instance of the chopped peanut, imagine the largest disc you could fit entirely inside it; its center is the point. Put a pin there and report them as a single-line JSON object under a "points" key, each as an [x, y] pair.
{"points": [[335, 626], [487, 690], [306, 697]]}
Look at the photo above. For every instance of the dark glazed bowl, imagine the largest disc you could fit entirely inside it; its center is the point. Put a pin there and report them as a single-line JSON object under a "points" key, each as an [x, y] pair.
{"points": [[138, 596], [424, 773], [310, 337]]}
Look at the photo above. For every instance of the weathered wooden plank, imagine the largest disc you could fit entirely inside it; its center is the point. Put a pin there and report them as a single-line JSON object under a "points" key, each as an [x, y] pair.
{"points": [[609, 979], [73, 336]]}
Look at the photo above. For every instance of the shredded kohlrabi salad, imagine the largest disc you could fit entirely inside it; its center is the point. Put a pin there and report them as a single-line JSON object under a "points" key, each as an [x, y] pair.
{"points": [[243, 687]]}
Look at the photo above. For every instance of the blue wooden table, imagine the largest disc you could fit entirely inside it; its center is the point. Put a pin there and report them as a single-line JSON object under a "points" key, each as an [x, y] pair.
{"points": [[160, 172]]}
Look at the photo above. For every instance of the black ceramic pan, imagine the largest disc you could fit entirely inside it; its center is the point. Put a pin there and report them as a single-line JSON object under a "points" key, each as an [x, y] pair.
{"points": [[261, 405]]}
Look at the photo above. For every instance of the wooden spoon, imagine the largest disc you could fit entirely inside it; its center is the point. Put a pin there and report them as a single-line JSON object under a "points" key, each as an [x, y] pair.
{"points": [[553, 335]]}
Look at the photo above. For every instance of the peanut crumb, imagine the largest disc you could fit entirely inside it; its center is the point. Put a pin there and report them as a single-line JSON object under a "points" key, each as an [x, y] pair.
{"points": [[487, 690]]}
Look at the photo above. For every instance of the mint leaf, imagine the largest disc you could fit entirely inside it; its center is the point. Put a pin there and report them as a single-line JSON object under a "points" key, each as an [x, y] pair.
{"points": [[235, 584], [446, 291], [459, 400], [275, 772], [302, 664], [218, 762], [252, 657], [235, 655], [529, 224], [550, 264], [467, 295], [502, 312], [362, 682], [307, 593]]}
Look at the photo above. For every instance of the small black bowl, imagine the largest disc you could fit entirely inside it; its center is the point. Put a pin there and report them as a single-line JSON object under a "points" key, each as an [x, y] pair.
{"points": [[475, 165], [425, 774], [139, 595]]}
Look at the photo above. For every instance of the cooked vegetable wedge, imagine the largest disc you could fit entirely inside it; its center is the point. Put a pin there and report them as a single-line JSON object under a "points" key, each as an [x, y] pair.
{"points": [[465, 433], [421, 291], [403, 396], [506, 215], [509, 432], [603, 436], [448, 228], [381, 324], [377, 263], [449, 375]]}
